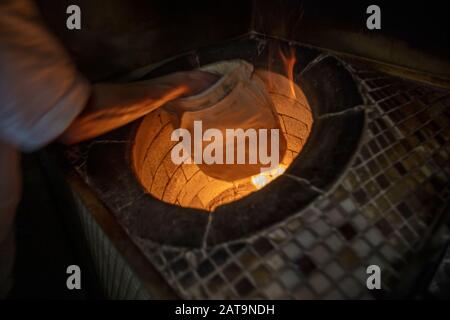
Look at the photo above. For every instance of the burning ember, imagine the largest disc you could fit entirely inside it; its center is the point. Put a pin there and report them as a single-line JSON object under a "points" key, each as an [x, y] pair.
{"points": [[260, 180]]}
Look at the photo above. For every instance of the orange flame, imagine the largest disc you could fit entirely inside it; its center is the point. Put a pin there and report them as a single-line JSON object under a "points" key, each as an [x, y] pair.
{"points": [[289, 63]]}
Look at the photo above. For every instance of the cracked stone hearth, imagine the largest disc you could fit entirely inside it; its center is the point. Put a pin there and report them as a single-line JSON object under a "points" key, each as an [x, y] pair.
{"points": [[321, 116]]}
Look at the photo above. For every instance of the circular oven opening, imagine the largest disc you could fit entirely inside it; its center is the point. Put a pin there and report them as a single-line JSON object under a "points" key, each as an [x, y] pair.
{"points": [[186, 185], [125, 173]]}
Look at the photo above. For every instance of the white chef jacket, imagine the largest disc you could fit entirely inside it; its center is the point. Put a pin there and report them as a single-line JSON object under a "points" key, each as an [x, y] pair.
{"points": [[40, 94]]}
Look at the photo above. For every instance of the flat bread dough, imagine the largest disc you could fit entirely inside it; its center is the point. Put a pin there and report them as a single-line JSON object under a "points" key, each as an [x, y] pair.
{"points": [[238, 100]]}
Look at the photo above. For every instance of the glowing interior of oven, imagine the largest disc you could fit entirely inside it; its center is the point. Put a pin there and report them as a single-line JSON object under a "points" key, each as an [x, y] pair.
{"points": [[186, 185]]}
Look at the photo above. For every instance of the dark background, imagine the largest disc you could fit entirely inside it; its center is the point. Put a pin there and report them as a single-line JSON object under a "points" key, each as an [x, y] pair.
{"points": [[121, 35], [422, 24]]}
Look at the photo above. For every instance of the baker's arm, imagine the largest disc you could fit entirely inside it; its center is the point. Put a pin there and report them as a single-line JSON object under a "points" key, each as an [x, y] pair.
{"points": [[43, 97], [113, 105]]}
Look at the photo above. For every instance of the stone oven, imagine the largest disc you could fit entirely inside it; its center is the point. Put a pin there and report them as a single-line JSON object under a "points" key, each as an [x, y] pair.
{"points": [[320, 111], [365, 182]]}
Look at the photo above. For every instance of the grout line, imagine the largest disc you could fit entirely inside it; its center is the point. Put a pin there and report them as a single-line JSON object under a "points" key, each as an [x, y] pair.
{"points": [[316, 60], [360, 107], [207, 229], [307, 182]]}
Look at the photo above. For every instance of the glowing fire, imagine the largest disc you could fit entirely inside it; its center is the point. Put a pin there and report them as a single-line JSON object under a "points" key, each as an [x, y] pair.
{"points": [[289, 63], [260, 180], [187, 185], [289, 60]]}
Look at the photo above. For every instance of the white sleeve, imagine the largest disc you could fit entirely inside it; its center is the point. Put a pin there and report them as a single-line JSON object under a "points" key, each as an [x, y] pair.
{"points": [[41, 91]]}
